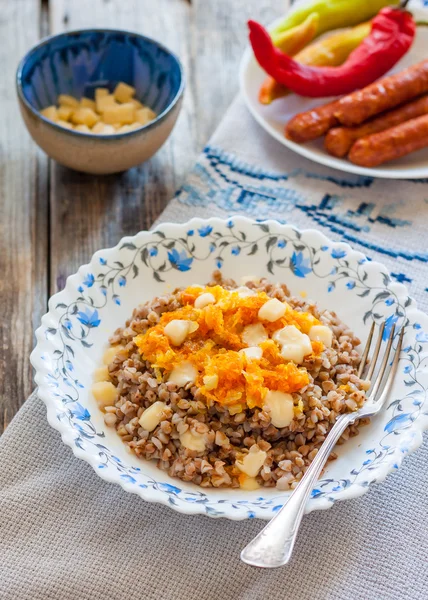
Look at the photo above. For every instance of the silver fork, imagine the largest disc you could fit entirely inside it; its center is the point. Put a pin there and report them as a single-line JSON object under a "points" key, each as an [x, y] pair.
{"points": [[273, 546]]}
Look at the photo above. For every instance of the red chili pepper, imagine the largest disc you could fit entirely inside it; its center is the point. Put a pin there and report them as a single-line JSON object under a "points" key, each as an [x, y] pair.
{"points": [[391, 36]]}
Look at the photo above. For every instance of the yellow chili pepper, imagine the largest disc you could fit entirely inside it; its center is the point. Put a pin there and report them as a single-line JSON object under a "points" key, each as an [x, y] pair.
{"points": [[332, 51], [333, 14], [295, 39]]}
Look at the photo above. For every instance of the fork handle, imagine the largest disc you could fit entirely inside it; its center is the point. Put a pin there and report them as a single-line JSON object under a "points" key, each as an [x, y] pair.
{"points": [[273, 546]]}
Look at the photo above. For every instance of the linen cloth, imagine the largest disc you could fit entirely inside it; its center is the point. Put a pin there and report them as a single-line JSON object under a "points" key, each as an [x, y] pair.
{"points": [[65, 534]]}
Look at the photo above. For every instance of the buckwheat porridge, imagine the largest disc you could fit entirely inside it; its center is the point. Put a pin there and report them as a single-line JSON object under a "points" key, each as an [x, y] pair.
{"points": [[230, 386]]}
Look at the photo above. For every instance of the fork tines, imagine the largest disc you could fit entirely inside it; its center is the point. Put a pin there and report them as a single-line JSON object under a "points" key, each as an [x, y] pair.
{"points": [[386, 370]]}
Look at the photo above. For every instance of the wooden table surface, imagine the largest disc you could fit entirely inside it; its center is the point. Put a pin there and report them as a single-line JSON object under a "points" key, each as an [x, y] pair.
{"points": [[54, 219]]}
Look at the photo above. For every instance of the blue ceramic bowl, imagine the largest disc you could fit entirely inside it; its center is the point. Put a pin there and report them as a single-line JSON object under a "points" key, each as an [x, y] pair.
{"points": [[76, 63]]}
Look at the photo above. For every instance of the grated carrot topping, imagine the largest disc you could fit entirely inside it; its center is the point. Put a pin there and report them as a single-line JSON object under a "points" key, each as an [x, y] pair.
{"points": [[214, 348]]}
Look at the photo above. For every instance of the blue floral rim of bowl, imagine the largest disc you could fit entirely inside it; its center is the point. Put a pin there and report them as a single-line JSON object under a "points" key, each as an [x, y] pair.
{"points": [[69, 34]]}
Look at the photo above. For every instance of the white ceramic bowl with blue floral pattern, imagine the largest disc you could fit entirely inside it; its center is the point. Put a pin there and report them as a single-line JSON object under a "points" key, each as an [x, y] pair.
{"points": [[101, 296]]}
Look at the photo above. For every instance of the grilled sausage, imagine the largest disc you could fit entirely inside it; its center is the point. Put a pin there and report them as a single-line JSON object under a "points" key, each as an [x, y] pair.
{"points": [[374, 150], [339, 140], [382, 95], [311, 124]]}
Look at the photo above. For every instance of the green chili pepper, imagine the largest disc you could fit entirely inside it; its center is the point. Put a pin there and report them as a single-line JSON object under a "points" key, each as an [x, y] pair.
{"points": [[333, 14]]}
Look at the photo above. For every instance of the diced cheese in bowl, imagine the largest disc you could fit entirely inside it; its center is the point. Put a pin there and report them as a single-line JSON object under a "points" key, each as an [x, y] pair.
{"points": [[144, 115], [321, 333], [178, 329], [252, 462], [272, 310], [88, 103], [103, 129], [85, 116], [193, 441], [66, 100], [183, 374], [100, 91], [281, 408], [82, 129], [295, 345], [152, 416], [210, 381], [65, 112], [51, 113], [253, 335], [248, 483], [204, 300], [101, 374], [110, 353], [244, 291], [105, 393], [254, 352], [124, 92], [64, 124], [107, 114], [122, 113], [105, 101]]}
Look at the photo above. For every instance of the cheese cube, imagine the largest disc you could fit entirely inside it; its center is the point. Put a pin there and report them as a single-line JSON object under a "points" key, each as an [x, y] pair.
{"points": [[110, 353], [204, 299], [123, 113], [152, 416], [272, 310], [101, 92], [295, 344], [177, 330], [183, 374], [281, 407], [193, 441], [82, 129], [102, 129], [254, 352], [101, 373], [145, 115], [98, 127], [128, 128], [104, 102], [105, 393], [248, 483], [255, 334], [65, 112], [64, 124], [88, 103], [66, 100], [244, 291], [210, 381], [321, 333], [50, 112], [252, 462], [108, 130], [85, 116], [123, 92], [136, 103]]}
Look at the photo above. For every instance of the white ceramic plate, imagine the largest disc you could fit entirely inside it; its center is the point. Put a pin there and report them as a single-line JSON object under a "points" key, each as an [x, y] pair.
{"points": [[101, 296], [274, 117]]}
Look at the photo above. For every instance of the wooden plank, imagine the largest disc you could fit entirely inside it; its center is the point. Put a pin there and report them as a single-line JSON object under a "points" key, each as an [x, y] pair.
{"points": [[219, 39], [89, 212], [23, 223]]}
